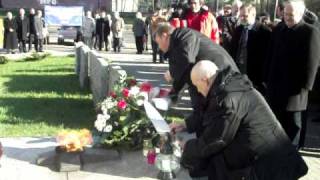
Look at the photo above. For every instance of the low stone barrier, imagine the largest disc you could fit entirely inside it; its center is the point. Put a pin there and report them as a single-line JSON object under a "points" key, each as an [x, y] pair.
{"points": [[77, 47], [96, 72], [84, 67]]}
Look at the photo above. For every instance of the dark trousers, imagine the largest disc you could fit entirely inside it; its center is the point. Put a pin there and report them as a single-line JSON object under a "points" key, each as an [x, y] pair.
{"points": [[146, 43], [116, 44], [294, 124], [155, 51], [102, 42], [22, 45], [32, 38], [39, 45], [139, 44]]}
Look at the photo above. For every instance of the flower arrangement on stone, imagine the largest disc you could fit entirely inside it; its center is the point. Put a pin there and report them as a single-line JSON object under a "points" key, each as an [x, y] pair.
{"points": [[122, 120]]}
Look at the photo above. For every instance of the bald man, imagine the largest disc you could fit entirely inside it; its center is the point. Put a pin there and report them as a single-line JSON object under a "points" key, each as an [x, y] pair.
{"points": [[241, 137]]}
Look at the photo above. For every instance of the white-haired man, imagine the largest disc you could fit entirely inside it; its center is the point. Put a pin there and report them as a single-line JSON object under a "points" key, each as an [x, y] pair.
{"points": [[88, 29], [241, 138], [23, 28], [292, 67]]}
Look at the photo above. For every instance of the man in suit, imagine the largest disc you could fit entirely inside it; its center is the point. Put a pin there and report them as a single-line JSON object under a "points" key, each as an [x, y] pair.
{"points": [[39, 25], [250, 45], [292, 67], [32, 34], [22, 30], [102, 31]]}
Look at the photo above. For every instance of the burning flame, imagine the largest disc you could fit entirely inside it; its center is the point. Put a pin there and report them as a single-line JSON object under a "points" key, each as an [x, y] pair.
{"points": [[73, 141]]}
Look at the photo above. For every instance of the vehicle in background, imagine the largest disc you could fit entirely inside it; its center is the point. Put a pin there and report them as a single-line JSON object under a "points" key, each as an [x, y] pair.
{"points": [[68, 33]]}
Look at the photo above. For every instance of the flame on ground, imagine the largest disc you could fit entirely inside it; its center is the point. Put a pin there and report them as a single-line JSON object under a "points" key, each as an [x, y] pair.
{"points": [[73, 141]]}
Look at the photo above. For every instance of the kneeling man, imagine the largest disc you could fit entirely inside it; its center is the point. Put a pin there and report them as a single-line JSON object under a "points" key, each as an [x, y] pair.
{"points": [[241, 138]]}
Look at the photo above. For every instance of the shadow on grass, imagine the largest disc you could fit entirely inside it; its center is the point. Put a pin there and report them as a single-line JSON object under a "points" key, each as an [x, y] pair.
{"points": [[57, 70], [71, 113], [60, 84]]}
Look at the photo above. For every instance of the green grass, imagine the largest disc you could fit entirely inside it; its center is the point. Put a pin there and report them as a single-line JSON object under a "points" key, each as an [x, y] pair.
{"points": [[40, 98]]}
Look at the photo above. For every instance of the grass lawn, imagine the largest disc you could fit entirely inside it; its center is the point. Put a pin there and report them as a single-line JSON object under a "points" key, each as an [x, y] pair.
{"points": [[40, 98]]}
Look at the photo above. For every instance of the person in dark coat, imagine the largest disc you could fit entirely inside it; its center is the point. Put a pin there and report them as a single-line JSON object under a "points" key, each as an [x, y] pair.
{"points": [[184, 47], [241, 138], [138, 29], [32, 34], [292, 68], [23, 26], [39, 25], [102, 31], [250, 46], [10, 35]]}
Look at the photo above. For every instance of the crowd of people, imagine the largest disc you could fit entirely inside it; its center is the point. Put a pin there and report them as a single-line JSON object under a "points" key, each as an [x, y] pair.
{"points": [[23, 30], [249, 81], [103, 31]]}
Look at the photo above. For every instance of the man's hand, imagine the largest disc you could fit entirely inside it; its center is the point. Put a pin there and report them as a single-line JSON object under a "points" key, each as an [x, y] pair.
{"points": [[167, 76], [177, 127]]}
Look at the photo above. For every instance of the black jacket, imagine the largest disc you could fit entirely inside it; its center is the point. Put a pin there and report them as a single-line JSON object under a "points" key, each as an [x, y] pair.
{"points": [[239, 127], [257, 49], [187, 47], [292, 65], [103, 28], [23, 27], [31, 24]]}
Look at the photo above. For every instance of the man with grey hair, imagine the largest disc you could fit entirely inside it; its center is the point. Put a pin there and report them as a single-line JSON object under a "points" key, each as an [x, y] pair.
{"points": [[88, 29], [241, 138], [293, 62]]}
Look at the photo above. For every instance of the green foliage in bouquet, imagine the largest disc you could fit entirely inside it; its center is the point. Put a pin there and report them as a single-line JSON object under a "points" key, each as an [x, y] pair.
{"points": [[122, 120]]}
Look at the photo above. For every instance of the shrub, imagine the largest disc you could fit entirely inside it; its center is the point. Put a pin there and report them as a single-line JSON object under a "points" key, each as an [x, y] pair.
{"points": [[3, 60]]}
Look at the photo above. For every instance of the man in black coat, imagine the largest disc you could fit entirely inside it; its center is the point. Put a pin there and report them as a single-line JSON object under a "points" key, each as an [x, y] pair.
{"points": [[22, 30], [250, 45], [292, 68], [184, 47], [102, 31], [32, 34], [241, 138]]}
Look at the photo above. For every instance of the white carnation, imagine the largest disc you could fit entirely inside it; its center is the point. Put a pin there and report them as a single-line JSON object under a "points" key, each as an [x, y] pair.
{"points": [[108, 128], [101, 121], [140, 102], [134, 90]]}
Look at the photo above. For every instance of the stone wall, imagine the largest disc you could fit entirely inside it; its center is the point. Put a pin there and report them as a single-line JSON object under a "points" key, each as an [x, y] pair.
{"points": [[84, 67], [96, 72]]}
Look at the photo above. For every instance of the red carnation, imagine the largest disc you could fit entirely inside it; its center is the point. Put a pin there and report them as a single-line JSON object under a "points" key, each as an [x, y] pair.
{"points": [[113, 94], [145, 87], [125, 92], [122, 104], [133, 82]]}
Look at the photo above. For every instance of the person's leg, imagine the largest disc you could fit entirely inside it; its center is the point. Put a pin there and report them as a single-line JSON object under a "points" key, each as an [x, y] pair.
{"points": [[146, 43], [114, 44], [24, 46], [154, 51], [106, 43], [20, 45], [294, 120], [31, 39], [137, 44], [141, 44], [100, 42], [161, 56], [40, 41]]}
